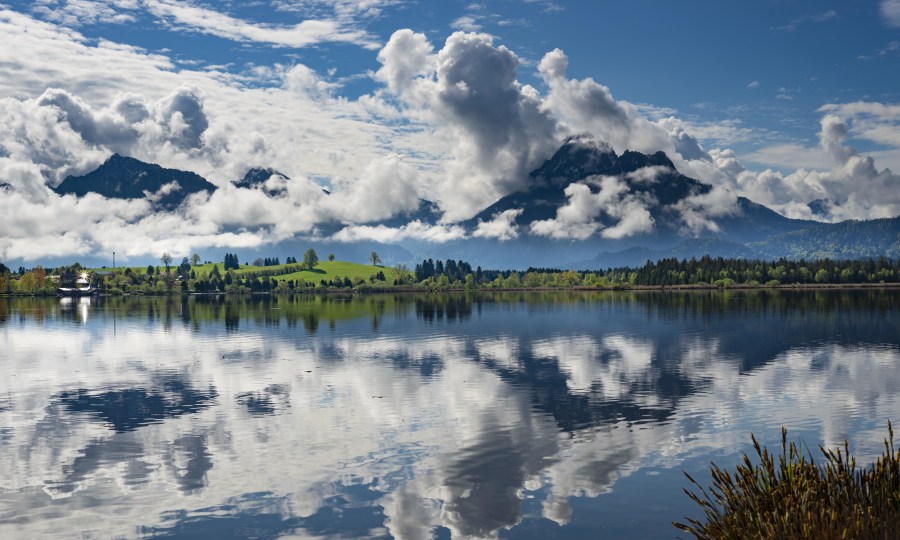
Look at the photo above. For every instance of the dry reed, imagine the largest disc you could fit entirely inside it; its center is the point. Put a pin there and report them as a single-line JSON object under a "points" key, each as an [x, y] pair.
{"points": [[791, 496]]}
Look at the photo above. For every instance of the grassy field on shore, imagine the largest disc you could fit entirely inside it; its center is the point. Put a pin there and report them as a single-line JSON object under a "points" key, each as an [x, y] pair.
{"points": [[329, 270], [326, 270]]}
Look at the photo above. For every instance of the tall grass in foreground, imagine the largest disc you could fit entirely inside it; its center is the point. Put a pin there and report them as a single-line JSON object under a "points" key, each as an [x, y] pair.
{"points": [[790, 496]]}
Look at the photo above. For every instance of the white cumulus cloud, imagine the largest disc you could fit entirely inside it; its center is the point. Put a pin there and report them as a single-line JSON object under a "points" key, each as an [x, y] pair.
{"points": [[502, 226], [579, 219]]}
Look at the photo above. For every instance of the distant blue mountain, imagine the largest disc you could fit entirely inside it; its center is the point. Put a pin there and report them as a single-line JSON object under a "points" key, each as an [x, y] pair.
{"points": [[850, 239]]}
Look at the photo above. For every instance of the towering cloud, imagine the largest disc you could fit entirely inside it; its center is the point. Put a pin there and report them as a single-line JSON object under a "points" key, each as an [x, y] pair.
{"points": [[470, 93], [103, 128], [852, 187], [585, 105], [182, 117], [388, 186], [130, 123]]}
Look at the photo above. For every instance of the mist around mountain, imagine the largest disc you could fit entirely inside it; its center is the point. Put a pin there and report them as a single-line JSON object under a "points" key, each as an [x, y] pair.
{"points": [[121, 177], [268, 180], [586, 207]]}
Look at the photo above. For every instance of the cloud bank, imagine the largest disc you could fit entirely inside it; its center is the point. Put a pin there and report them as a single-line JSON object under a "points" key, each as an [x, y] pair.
{"points": [[449, 123]]}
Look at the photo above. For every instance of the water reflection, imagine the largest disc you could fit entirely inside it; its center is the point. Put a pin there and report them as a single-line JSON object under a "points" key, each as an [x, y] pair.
{"points": [[130, 408], [271, 400], [418, 415]]}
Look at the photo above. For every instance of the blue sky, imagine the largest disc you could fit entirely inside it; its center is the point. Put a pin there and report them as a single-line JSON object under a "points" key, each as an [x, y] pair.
{"points": [[782, 101], [769, 65]]}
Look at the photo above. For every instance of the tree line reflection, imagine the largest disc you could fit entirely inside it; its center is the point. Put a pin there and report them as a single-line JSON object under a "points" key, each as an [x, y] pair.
{"points": [[310, 311], [431, 412]]}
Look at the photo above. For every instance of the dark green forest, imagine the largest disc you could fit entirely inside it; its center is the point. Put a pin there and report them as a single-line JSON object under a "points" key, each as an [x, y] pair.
{"points": [[452, 274]]}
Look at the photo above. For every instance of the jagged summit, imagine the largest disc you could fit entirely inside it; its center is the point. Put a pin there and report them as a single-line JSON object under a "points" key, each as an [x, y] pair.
{"points": [[634, 185], [126, 164], [122, 177], [258, 175], [581, 156], [587, 140], [266, 179]]}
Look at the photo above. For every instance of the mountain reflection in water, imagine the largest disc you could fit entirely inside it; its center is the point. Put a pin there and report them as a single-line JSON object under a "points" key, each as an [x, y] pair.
{"points": [[419, 415]]}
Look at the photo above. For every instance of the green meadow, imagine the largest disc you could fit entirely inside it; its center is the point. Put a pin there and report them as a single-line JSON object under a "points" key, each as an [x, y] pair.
{"points": [[326, 270], [329, 270]]}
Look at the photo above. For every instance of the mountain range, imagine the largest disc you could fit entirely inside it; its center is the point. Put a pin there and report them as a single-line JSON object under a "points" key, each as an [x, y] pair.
{"points": [[586, 207]]}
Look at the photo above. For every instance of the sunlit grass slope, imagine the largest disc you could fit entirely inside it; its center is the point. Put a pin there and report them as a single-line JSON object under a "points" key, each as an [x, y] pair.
{"points": [[326, 270]]}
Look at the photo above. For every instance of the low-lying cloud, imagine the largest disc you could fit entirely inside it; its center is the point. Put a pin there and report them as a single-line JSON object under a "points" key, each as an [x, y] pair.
{"points": [[450, 123], [849, 187], [502, 226], [580, 217]]}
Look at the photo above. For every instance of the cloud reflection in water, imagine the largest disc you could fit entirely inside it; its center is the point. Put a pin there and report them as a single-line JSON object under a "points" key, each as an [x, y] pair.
{"points": [[228, 415]]}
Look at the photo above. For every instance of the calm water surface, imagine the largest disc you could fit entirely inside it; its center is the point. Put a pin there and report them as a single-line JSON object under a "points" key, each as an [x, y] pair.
{"points": [[419, 416]]}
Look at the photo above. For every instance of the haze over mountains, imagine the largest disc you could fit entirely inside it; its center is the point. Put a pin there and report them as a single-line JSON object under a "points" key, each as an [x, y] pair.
{"points": [[585, 207]]}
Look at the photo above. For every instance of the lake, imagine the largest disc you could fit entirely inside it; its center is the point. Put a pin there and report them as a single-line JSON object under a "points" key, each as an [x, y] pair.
{"points": [[513, 415]]}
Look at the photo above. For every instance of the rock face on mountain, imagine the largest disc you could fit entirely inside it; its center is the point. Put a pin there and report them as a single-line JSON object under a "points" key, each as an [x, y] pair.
{"points": [[653, 181], [581, 156], [685, 218], [123, 177], [268, 180], [570, 213]]}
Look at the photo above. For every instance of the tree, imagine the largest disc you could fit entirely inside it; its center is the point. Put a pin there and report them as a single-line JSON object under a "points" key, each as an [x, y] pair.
{"points": [[403, 275], [310, 259], [374, 258], [331, 256], [39, 275], [27, 283], [195, 259], [68, 275], [231, 261], [169, 280], [166, 259], [149, 269]]}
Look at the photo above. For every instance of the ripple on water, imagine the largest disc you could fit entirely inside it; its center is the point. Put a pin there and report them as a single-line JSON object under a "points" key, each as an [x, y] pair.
{"points": [[408, 415]]}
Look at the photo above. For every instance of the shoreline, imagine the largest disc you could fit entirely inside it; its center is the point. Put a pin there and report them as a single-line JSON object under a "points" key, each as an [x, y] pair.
{"points": [[628, 288]]}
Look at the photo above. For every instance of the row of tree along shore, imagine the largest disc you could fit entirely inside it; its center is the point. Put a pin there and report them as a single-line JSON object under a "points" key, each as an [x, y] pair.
{"points": [[312, 276]]}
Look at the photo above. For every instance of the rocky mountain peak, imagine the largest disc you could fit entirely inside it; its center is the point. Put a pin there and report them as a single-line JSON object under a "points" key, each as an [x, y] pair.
{"points": [[581, 156], [262, 178], [122, 177]]}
